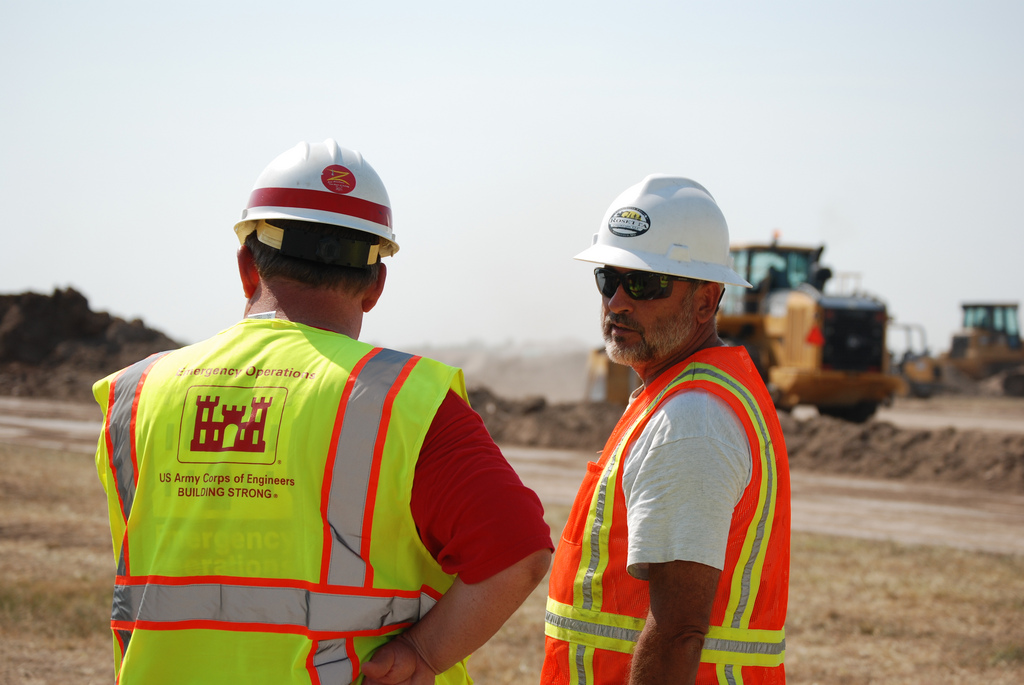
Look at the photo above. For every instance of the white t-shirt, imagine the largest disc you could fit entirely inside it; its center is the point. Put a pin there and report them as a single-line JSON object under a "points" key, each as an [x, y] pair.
{"points": [[682, 479]]}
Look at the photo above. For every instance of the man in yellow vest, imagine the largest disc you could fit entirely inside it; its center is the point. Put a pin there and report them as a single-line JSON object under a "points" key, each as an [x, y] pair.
{"points": [[674, 563], [290, 505]]}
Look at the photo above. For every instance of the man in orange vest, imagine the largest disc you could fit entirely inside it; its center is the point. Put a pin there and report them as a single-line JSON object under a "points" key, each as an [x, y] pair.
{"points": [[290, 505], [674, 563]]}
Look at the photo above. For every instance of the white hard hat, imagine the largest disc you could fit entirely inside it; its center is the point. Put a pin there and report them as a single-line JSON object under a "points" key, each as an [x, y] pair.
{"points": [[323, 183], [667, 225]]}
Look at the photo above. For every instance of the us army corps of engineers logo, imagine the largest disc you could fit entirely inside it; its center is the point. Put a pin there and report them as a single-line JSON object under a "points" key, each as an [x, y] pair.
{"points": [[228, 425]]}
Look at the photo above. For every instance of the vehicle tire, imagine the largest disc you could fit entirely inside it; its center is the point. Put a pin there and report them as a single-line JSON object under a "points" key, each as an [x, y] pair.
{"points": [[854, 413], [921, 390], [1013, 385]]}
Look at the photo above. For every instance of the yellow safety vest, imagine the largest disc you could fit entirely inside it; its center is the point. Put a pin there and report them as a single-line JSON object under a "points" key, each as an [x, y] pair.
{"points": [[259, 486]]}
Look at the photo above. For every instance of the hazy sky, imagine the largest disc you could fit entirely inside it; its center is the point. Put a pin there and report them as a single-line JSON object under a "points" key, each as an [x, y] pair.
{"points": [[130, 137]]}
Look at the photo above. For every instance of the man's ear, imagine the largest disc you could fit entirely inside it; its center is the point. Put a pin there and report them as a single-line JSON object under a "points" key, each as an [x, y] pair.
{"points": [[373, 293], [706, 300], [247, 271]]}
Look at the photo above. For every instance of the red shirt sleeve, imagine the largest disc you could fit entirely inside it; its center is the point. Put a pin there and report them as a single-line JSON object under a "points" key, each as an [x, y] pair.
{"points": [[473, 512]]}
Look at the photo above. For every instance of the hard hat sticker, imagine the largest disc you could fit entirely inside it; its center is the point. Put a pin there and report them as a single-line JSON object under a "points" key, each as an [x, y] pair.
{"points": [[629, 222], [338, 179]]}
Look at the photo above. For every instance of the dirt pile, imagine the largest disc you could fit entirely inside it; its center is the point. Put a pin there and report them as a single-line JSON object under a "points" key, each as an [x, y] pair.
{"points": [[55, 346], [533, 422], [877, 449]]}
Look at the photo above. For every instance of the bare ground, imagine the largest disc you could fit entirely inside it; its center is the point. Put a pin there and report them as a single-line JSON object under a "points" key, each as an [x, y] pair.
{"points": [[861, 610]]}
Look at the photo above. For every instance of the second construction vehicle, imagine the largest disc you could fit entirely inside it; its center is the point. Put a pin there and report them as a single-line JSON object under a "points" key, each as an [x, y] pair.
{"points": [[916, 365], [810, 347], [988, 344]]}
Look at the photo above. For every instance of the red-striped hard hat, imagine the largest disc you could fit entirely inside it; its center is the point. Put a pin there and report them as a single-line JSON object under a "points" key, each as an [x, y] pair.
{"points": [[322, 183]]}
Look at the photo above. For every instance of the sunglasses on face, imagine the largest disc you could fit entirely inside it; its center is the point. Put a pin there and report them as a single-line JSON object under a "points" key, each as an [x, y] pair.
{"points": [[639, 285]]}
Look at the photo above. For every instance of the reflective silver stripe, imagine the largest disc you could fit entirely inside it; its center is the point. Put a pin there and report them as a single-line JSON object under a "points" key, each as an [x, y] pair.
{"points": [[768, 475], [281, 606], [119, 427], [744, 647], [601, 504], [595, 533], [581, 663], [332, 663], [628, 634], [590, 628], [353, 463]]}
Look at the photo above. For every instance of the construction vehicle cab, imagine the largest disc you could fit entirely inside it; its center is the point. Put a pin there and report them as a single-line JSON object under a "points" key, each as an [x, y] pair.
{"points": [[810, 347], [772, 268]]}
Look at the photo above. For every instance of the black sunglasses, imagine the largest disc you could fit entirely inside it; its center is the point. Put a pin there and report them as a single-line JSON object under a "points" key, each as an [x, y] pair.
{"points": [[639, 285]]}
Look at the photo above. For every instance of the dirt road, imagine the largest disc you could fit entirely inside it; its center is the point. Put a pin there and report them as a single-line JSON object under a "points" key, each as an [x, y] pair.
{"points": [[838, 505], [902, 511]]}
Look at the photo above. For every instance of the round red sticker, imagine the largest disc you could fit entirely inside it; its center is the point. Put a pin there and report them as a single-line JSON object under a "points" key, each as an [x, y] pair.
{"points": [[338, 179]]}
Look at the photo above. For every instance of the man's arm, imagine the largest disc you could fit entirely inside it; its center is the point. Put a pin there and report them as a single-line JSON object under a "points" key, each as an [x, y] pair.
{"points": [[463, 619], [668, 651], [498, 552]]}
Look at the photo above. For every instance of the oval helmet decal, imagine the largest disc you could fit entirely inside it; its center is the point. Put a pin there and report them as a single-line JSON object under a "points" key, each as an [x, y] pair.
{"points": [[629, 222]]}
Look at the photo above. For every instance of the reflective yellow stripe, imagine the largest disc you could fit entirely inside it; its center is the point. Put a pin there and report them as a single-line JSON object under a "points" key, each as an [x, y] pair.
{"points": [[725, 674], [618, 633], [744, 647], [614, 632], [581, 659], [746, 578], [588, 587]]}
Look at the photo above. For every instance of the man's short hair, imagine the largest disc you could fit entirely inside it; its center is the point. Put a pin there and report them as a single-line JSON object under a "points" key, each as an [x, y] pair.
{"points": [[271, 263]]}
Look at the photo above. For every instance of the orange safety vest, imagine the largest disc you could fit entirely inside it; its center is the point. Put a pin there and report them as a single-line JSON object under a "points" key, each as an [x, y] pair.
{"points": [[596, 610], [259, 487]]}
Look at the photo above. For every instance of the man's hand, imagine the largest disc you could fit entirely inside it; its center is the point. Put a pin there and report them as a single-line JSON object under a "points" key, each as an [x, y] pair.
{"points": [[397, 663], [464, 618]]}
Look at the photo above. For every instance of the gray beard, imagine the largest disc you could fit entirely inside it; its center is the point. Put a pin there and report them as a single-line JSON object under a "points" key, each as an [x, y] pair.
{"points": [[664, 337]]}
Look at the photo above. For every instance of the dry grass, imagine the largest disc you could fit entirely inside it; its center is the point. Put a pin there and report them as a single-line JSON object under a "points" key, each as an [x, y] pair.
{"points": [[860, 611], [877, 612], [56, 570]]}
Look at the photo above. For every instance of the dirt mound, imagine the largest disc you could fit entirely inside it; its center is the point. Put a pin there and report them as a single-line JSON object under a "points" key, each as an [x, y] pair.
{"points": [[877, 449], [55, 346], [532, 422]]}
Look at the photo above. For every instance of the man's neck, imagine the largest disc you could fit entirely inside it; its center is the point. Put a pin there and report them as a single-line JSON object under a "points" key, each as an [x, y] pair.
{"points": [[331, 310]]}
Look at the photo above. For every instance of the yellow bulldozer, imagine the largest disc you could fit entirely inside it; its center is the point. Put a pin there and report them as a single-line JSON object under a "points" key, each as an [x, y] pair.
{"points": [[988, 344], [811, 348], [915, 364]]}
